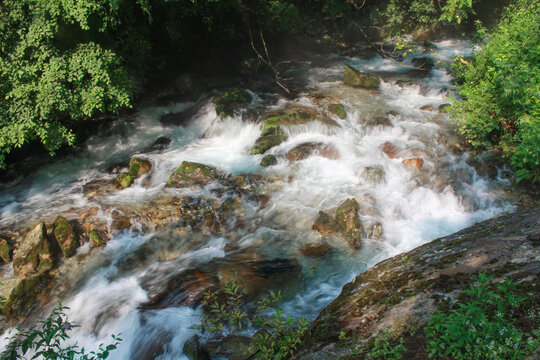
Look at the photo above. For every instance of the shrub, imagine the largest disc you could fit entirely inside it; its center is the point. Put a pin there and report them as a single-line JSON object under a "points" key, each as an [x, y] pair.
{"points": [[500, 105], [46, 341], [481, 326]]}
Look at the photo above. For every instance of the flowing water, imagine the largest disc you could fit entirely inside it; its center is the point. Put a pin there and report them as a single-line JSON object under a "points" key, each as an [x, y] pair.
{"points": [[114, 289]]}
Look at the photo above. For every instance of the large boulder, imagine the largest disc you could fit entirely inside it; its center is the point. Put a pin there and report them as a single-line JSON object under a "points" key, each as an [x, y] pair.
{"points": [[303, 151], [232, 347], [227, 102], [358, 79], [139, 167], [265, 143], [349, 224], [20, 294], [5, 251], [34, 255], [192, 174], [65, 236]]}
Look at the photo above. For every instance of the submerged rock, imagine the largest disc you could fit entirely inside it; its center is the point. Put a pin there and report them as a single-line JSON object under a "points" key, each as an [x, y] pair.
{"points": [[325, 224], [192, 174], [5, 251], [316, 250], [356, 78], [303, 151], [349, 224], [269, 160], [227, 102], [373, 174], [415, 163], [265, 143], [65, 236], [139, 167], [390, 150], [34, 255], [338, 109], [401, 293], [123, 180]]}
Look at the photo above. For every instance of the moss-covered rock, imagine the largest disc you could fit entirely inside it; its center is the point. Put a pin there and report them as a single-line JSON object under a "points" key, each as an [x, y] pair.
{"points": [[373, 174], [192, 174], [349, 224], [138, 167], [34, 255], [5, 251], [325, 224], [227, 102], [123, 180], [358, 79], [338, 109], [65, 236], [269, 160], [21, 294], [96, 238], [265, 143]]}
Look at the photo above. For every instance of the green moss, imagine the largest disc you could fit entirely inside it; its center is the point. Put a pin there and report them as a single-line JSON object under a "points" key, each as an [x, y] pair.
{"points": [[269, 160], [139, 167], [24, 295], [5, 251], [124, 180], [227, 102], [355, 78], [337, 109], [265, 143], [65, 236], [95, 238], [192, 173], [348, 222]]}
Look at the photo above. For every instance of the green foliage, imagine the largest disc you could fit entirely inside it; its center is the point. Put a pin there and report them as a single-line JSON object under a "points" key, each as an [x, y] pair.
{"points": [[500, 105], [482, 326], [386, 347], [45, 341], [278, 336]]}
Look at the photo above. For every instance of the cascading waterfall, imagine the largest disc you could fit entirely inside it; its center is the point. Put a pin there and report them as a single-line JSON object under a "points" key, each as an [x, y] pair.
{"points": [[108, 289]]}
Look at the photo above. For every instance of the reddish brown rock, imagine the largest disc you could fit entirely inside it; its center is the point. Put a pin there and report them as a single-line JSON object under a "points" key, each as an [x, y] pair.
{"points": [[303, 151], [390, 150], [415, 163], [316, 250]]}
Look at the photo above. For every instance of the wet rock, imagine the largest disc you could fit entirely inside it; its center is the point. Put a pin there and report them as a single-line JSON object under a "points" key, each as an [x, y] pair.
{"points": [[21, 294], [65, 236], [139, 167], [161, 143], [97, 238], [374, 231], [179, 118], [373, 174], [192, 174], [120, 221], [383, 121], [303, 151], [123, 180], [324, 224], [423, 63], [34, 254], [422, 35], [390, 150], [356, 78], [227, 102], [192, 349], [427, 108], [367, 205], [265, 143], [317, 250], [294, 116], [415, 163], [349, 224], [269, 160], [337, 109], [232, 347], [5, 251]]}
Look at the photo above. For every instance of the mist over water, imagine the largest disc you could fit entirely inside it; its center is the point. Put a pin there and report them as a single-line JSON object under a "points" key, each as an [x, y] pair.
{"points": [[107, 288]]}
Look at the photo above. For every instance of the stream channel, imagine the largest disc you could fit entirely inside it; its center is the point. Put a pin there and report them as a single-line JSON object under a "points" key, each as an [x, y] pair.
{"points": [[254, 225]]}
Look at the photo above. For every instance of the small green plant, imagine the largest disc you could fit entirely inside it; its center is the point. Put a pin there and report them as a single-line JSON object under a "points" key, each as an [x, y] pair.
{"points": [[278, 336], [388, 345], [45, 341], [481, 326]]}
